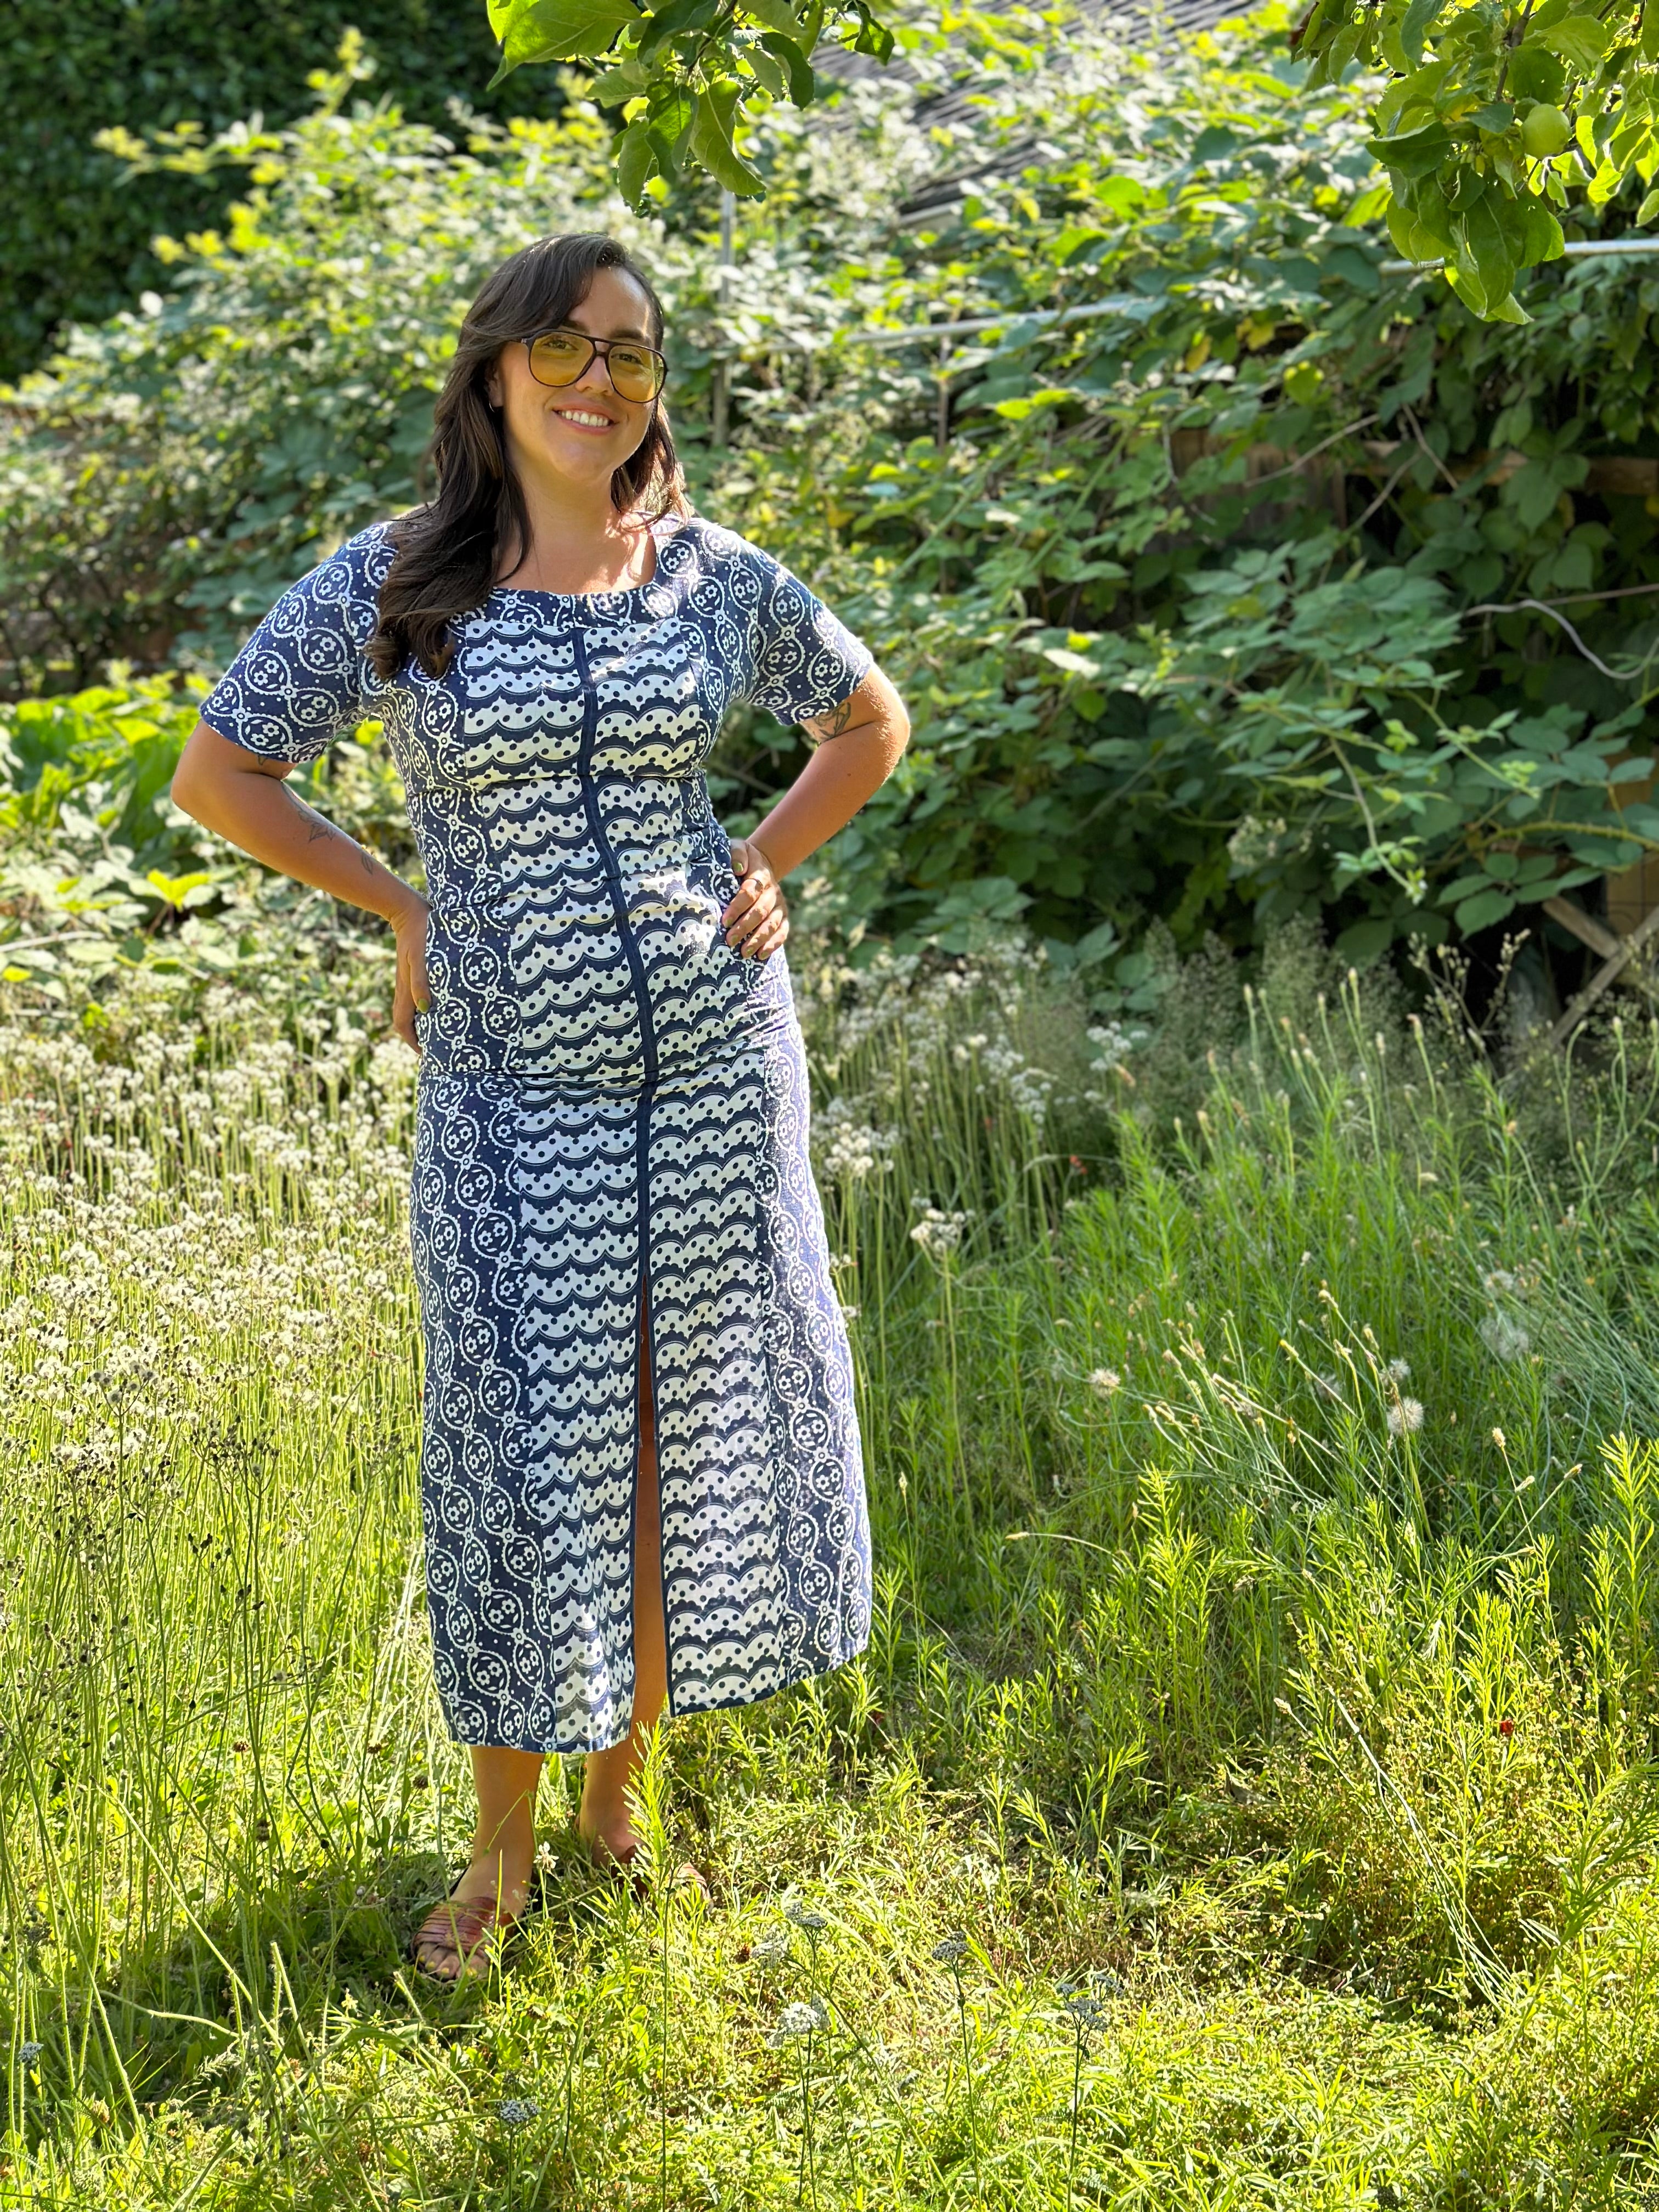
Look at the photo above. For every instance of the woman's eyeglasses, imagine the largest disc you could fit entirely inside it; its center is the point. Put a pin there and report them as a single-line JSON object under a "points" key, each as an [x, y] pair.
{"points": [[556, 357]]}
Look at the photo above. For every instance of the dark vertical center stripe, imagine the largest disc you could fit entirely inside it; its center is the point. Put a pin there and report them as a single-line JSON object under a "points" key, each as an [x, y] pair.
{"points": [[602, 846], [642, 1127]]}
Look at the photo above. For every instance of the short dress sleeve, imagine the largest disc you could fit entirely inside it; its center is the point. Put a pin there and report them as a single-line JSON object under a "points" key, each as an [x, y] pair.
{"points": [[804, 659], [299, 683]]}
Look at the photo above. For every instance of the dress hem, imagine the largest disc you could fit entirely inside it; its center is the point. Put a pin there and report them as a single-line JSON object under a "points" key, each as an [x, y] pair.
{"points": [[685, 1712]]}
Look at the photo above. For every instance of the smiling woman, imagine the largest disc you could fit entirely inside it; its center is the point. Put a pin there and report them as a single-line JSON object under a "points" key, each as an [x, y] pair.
{"points": [[643, 1480]]}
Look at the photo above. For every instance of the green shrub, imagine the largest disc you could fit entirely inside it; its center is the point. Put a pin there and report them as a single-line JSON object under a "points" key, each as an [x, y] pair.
{"points": [[1160, 672], [76, 245]]}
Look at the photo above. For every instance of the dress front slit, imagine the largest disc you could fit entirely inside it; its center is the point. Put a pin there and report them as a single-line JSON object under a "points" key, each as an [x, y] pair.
{"points": [[648, 1388], [611, 1139]]}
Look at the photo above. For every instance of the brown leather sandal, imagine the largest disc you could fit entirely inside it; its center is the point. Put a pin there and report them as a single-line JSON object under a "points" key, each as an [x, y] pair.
{"points": [[470, 1928]]}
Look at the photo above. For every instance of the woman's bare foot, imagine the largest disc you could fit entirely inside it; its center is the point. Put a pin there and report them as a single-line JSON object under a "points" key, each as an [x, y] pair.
{"points": [[608, 1835]]}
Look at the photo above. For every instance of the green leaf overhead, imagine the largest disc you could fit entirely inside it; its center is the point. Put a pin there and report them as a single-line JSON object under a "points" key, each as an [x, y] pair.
{"points": [[545, 30], [693, 72], [803, 85], [711, 141], [1492, 116]]}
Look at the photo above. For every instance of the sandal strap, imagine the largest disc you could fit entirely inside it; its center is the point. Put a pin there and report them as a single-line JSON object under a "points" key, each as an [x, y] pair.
{"points": [[461, 1924]]}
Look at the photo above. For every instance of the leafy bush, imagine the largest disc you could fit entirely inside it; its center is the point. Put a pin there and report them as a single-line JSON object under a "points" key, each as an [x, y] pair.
{"points": [[76, 243], [1211, 606]]}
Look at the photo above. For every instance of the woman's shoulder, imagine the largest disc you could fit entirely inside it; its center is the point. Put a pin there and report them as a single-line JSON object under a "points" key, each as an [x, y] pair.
{"points": [[342, 587], [361, 562], [717, 550]]}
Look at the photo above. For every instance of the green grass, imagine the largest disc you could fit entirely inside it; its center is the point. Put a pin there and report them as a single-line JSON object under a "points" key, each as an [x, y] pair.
{"points": [[1262, 1683]]}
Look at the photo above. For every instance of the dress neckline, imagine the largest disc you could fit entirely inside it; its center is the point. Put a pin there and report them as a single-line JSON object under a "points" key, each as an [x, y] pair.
{"points": [[662, 538]]}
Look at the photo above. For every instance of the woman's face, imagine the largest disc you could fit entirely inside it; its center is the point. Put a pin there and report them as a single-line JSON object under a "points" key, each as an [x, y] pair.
{"points": [[573, 437]]}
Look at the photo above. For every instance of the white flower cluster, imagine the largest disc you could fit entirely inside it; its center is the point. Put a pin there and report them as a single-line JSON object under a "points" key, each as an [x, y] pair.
{"points": [[939, 1234], [1114, 1043], [178, 1224], [847, 1144]]}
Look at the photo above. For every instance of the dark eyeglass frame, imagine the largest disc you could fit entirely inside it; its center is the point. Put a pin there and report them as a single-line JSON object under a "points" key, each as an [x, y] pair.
{"points": [[602, 348]]}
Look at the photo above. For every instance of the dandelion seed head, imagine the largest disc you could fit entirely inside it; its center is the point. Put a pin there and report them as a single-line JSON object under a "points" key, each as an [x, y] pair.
{"points": [[1400, 1369], [1405, 1419], [1104, 1380], [1504, 1338]]}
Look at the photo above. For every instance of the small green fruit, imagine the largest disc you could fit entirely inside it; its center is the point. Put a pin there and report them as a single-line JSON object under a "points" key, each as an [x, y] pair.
{"points": [[1545, 130]]}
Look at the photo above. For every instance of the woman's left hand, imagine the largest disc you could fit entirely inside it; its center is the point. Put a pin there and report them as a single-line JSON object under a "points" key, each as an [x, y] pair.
{"points": [[758, 919]]}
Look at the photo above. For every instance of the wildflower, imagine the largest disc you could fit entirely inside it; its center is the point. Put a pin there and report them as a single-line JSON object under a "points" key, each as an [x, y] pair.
{"points": [[1506, 1339], [1405, 1419], [796, 2020], [1104, 1380], [939, 1234], [1114, 1043], [1507, 1729], [803, 1917], [1087, 2012], [518, 2112], [770, 1949], [544, 1855], [951, 1951], [27, 2053]]}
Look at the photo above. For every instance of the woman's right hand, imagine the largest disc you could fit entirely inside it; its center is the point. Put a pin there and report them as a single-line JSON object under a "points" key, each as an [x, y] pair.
{"points": [[412, 994]]}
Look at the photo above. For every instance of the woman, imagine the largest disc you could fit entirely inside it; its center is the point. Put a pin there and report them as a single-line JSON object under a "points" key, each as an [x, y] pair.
{"points": [[641, 1477]]}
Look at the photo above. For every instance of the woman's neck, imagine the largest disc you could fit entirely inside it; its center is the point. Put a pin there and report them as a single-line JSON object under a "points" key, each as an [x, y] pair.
{"points": [[578, 544]]}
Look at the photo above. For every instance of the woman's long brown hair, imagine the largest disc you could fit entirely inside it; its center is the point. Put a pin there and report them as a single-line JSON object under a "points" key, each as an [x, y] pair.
{"points": [[449, 551]]}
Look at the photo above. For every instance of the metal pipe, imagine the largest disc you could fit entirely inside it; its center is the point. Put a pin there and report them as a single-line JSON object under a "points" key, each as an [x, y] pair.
{"points": [[1578, 249], [1114, 305], [717, 390], [1117, 303]]}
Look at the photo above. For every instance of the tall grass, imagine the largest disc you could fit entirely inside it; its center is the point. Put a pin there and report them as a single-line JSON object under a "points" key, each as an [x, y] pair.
{"points": [[1249, 1792]]}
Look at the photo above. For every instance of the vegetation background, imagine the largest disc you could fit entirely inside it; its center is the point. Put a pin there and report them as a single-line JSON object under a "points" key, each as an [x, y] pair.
{"points": [[1217, 603], [77, 242], [1248, 1797]]}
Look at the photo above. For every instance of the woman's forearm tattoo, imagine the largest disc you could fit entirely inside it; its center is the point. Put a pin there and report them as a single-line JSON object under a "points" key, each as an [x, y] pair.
{"points": [[322, 827]]}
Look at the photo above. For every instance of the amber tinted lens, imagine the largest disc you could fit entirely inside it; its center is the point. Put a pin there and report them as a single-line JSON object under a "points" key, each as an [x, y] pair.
{"points": [[636, 372], [558, 357]]}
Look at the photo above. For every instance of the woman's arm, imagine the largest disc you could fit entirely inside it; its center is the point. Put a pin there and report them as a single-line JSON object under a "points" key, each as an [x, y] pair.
{"points": [[858, 745], [240, 797]]}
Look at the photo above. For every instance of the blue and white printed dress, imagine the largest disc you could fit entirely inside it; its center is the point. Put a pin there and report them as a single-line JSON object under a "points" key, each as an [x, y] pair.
{"points": [[612, 1107]]}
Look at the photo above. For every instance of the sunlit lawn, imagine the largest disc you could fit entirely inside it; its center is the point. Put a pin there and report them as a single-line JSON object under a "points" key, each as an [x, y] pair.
{"points": [[1245, 1796]]}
